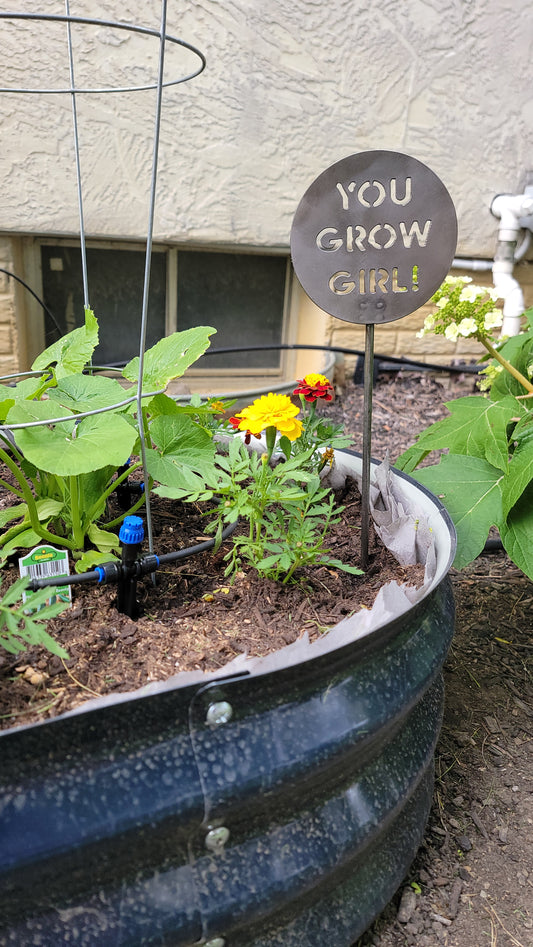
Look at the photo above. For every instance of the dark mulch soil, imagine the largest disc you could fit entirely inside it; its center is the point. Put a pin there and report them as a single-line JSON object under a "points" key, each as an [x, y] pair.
{"points": [[193, 619], [471, 884]]}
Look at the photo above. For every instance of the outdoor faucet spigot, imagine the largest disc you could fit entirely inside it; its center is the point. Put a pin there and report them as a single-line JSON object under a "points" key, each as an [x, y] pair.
{"points": [[131, 537]]}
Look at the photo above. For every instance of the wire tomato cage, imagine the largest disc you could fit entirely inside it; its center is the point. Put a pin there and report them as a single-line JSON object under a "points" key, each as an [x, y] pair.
{"points": [[126, 572]]}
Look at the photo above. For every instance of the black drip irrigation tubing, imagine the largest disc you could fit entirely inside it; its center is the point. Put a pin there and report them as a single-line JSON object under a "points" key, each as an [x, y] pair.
{"points": [[381, 362], [115, 571], [397, 363]]}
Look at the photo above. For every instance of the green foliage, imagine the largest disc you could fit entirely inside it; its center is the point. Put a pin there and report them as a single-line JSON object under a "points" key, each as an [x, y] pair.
{"points": [[18, 629], [287, 510], [66, 466], [66, 470], [486, 477]]}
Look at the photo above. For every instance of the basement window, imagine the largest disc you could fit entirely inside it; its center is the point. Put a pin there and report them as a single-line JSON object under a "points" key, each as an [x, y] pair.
{"points": [[243, 295]]}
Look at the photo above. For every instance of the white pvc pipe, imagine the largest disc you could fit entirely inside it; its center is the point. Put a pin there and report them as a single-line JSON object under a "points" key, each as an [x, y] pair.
{"points": [[510, 208]]}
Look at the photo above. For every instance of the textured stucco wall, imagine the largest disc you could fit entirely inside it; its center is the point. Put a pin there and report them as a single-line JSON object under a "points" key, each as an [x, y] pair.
{"points": [[290, 87]]}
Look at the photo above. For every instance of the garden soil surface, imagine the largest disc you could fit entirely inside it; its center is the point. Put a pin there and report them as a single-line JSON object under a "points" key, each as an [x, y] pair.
{"points": [[471, 884]]}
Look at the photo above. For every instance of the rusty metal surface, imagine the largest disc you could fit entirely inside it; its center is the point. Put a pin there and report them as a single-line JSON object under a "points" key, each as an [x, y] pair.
{"points": [[373, 237]]}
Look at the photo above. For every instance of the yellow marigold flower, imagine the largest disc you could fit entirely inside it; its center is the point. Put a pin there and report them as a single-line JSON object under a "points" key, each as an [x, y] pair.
{"points": [[271, 410]]}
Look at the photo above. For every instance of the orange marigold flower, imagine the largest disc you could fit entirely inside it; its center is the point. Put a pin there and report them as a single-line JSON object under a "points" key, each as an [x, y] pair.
{"points": [[314, 386], [270, 410]]}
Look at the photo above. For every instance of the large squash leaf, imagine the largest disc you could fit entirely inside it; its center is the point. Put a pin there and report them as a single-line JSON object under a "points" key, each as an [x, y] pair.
{"points": [[69, 449], [73, 351], [471, 490], [183, 457], [170, 357], [81, 393], [476, 426]]}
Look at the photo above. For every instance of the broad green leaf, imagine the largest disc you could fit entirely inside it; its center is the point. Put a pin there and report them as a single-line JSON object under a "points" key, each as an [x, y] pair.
{"points": [[519, 351], [104, 541], [476, 426], [187, 492], [25, 540], [24, 390], [183, 443], [81, 393], [173, 474], [26, 412], [12, 513], [162, 404], [409, 460], [7, 399], [517, 530], [523, 431], [520, 475], [97, 441], [47, 508], [170, 357], [471, 490], [93, 558], [73, 351]]}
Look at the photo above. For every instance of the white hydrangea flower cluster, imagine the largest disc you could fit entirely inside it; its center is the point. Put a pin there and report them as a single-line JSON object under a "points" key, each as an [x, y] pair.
{"points": [[463, 311]]}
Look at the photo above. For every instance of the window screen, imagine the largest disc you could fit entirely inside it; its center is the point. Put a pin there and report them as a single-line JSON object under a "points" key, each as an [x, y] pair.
{"points": [[241, 295], [116, 279]]}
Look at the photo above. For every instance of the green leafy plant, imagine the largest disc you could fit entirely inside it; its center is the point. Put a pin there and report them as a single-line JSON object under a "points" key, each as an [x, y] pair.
{"points": [[19, 629], [486, 477], [279, 495], [66, 462]]}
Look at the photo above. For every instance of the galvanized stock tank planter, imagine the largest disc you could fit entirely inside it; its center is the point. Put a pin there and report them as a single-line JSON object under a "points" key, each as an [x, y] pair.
{"points": [[278, 804]]}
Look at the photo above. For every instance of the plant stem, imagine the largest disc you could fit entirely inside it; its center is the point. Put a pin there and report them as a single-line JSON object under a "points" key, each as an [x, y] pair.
{"points": [[11, 489], [32, 508], [14, 531], [507, 365], [109, 490], [77, 530], [119, 519]]}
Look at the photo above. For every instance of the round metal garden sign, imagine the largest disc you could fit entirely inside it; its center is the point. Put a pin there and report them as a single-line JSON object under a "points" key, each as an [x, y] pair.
{"points": [[373, 237]]}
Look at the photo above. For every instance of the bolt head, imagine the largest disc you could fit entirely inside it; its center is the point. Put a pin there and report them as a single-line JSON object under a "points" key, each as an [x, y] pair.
{"points": [[215, 942], [219, 713], [216, 839]]}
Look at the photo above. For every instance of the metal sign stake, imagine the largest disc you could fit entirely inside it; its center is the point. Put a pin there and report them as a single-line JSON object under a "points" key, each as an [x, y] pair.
{"points": [[367, 442], [372, 238]]}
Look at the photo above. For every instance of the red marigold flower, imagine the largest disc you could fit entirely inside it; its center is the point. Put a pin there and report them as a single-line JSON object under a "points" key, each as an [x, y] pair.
{"points": [[314, 386], [235, 422]]}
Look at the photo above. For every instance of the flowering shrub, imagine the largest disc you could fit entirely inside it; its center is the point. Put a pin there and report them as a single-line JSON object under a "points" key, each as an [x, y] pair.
{"points": [[279, 492], [486, 478]]}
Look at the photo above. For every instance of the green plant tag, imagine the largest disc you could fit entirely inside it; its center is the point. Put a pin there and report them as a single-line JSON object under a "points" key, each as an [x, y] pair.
{"points": [[44, 562]]}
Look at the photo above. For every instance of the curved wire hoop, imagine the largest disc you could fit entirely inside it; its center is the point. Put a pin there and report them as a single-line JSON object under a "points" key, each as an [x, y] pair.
{"points": [[114, 24]]}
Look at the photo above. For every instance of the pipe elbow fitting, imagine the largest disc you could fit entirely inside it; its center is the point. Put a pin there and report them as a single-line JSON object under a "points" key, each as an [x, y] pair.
{"points": [[510, 208]]}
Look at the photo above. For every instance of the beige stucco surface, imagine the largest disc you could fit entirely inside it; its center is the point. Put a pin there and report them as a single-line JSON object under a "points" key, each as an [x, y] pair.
{"points": [[290, 87]]}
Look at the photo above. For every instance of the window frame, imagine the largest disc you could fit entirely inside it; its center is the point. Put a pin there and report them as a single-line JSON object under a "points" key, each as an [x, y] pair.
{"points": [[32, 324]]}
